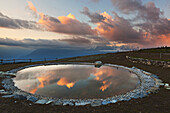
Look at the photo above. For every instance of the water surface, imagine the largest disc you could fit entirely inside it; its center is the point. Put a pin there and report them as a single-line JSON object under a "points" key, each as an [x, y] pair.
{"points": [[75, 81]]}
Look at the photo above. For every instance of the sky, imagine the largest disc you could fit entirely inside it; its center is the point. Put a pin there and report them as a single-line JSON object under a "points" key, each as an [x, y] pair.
{"points": [[77, 24]]}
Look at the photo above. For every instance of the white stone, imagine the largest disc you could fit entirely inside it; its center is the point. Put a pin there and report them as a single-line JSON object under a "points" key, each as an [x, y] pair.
{"points": [[98, 63], [7, 96], [166, 84], [68, 103], [50, 101], [81, 103], [2, 90], [113, 101], [96, 103], [41, 101]]}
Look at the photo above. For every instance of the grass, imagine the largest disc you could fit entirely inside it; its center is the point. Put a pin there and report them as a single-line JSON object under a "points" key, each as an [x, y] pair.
{"points": [[156, 50], [151, 59]]}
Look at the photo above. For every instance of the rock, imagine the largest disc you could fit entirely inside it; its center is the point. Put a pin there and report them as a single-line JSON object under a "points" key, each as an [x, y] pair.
{"points": [[113, 101], [21, 97], [68, 103], [7, 96], [5, 93], [50, 101], [166, 85], [96, 103], [161, 84], [168, 88], [148, 63], [2, 90], [58, 103], [105, 102], [41, 101], [32, 99], [98, 64], [81, 103]]}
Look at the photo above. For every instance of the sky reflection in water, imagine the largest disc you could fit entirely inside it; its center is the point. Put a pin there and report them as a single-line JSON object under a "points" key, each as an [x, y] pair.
{"points": [[75, 81]]}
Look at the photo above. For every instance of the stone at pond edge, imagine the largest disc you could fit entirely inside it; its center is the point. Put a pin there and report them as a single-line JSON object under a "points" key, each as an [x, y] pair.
{"points": [[98, 64], [81, 103], [32, 99], [7, 96], [105, 102], [50, 101], [68, 103], [58, 103], [21, 97], [113, 101], [41, 101], [3, 92], [96, 103]]}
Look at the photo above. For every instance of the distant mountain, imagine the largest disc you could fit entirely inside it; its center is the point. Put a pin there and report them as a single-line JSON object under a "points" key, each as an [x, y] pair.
{"points": [[60, 53], [13, 52]]}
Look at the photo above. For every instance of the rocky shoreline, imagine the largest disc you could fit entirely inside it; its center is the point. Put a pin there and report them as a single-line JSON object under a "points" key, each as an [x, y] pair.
{"points": [[149, 83], [165, 64]]}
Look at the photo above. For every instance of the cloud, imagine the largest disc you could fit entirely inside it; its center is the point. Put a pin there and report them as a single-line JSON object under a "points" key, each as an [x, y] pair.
{"points": [[32, 8], [8, 22], [77, 40], [31, 43], [62, 24], [114, 29], [95, 1], [149, 17], [73, 42], [127, 6], [147, 27], [95, 17]]}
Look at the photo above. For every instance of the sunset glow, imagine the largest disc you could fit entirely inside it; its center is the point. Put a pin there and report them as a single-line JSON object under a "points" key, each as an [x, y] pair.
{"points": [[43, 80], [130, 24], [63, 81]]}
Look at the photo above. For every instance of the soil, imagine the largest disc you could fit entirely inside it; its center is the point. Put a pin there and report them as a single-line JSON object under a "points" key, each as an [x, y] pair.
{"points": [[154, 103]]}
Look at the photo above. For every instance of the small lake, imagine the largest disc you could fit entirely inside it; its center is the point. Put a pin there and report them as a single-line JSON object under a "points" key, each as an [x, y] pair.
{"points": [[76, 81]]}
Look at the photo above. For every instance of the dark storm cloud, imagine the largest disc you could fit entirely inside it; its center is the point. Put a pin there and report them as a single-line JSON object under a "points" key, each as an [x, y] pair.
{"points": [[8, 22]]}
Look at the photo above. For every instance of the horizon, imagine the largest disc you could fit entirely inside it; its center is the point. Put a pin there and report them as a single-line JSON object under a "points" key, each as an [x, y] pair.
{"points": [[100, 25]]}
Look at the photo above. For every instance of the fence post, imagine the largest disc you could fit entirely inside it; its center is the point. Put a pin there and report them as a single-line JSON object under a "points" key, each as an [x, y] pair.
{"points": [[160, 56], [1, 61], [13, 61]]}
